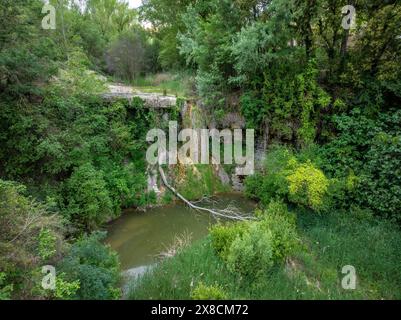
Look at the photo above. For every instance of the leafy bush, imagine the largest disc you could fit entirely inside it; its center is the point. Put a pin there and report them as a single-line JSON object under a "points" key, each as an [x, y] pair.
{"points": [[223, 236], [95, 266], [272, 183], [250, 108], [252, 253], [288, 178], [307, 185], [250, 248], [47, 244], [282, 225], [204, 292], [126, 56], [5, 290], [274, 208], [126, 185], [88, 200], [366, 157], [380, 181], [65, 290], [342, 190], [25, 64]]}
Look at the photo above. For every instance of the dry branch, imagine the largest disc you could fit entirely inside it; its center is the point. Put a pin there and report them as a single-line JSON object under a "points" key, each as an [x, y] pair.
{"points": [[229, 213]]}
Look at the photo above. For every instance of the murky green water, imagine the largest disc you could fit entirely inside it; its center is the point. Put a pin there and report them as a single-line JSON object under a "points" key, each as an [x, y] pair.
{"points": [[139, 237]]}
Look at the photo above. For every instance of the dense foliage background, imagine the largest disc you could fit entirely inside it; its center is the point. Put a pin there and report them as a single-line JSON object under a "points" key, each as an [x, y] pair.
{"points": [[323, 100]]}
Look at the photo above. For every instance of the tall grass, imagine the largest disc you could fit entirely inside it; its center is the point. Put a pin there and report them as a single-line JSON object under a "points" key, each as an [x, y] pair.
{"points": [[330, 242], [179, 84]]}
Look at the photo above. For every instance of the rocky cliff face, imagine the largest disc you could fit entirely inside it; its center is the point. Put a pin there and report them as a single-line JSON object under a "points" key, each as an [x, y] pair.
{"points": [[194, 117]]}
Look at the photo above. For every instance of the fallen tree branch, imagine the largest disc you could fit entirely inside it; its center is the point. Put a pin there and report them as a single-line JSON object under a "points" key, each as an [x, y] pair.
{"points": [[205, 199], [228, 213]]}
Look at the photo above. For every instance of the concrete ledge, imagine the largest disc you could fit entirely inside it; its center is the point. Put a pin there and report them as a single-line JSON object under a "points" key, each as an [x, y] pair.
{"points": [[152, 100]]}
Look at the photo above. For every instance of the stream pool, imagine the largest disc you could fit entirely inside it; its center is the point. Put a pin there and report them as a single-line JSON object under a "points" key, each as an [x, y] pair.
{"points": [[138, 237]]}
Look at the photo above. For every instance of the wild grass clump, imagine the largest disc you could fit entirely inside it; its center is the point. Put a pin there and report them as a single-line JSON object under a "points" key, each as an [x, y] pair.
{"points": [[171, 84]]}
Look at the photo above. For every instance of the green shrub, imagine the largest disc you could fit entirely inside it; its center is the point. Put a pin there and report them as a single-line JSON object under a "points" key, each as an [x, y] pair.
{"points": [[368, 151], [5, 290], [380, 181], [146, 199], [272, 183], [89, 203], [95, 266], [250, 248], [47, 244], [274, 208], [65, 290], [254, 187], [282, 225], [307, 185], [342, 190], [126, 184], [252, 253], [204, 292], [286, 177], [223, 235]]}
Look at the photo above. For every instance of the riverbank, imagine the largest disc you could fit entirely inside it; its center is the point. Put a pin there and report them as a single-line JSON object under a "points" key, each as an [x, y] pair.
{"points": [[329, 242]]}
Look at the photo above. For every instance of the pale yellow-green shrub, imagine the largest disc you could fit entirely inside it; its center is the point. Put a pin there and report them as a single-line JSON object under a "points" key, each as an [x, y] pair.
{"points": [[307, 185]]}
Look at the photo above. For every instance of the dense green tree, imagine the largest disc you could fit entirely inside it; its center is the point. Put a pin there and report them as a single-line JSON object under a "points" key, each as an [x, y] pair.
{"points": [[27, 55], [166, 17], [126, 57]]}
